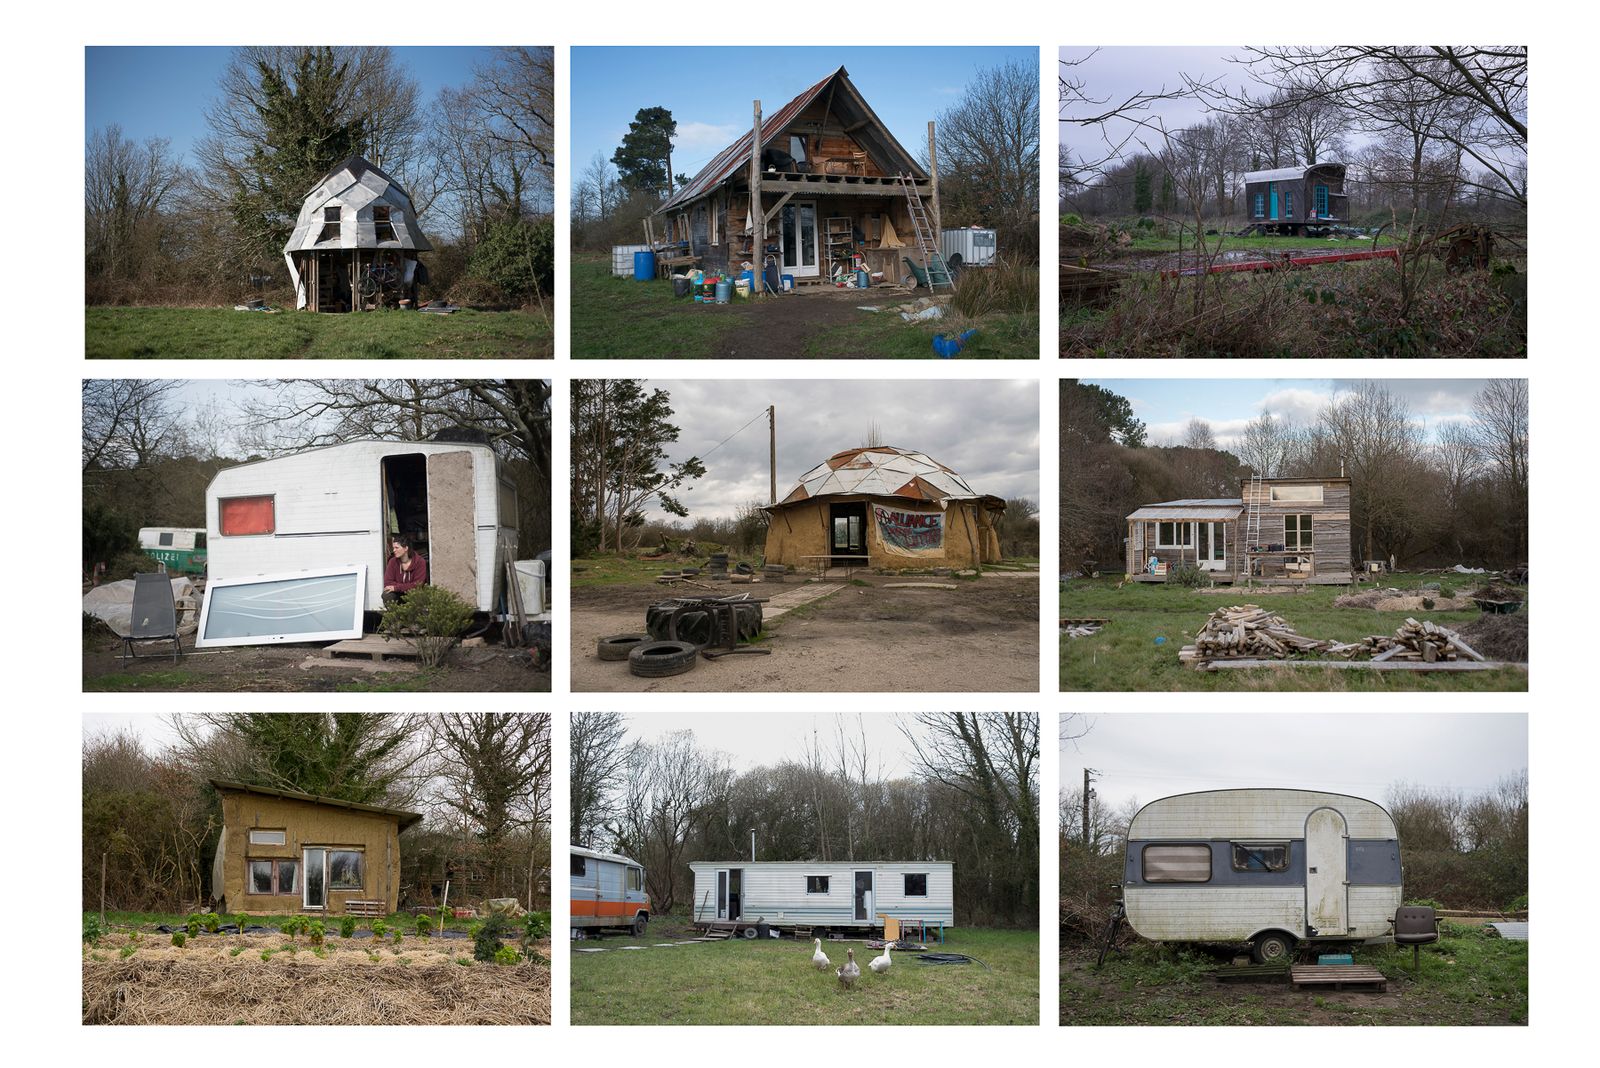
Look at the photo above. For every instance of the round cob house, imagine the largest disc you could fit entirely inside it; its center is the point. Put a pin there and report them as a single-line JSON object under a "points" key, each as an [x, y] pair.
{"points": [[356, 242], [883, 507]]}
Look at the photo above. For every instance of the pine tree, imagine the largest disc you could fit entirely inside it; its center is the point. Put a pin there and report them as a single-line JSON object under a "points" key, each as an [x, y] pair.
{"points": [[644, 159], [1141, 188]]}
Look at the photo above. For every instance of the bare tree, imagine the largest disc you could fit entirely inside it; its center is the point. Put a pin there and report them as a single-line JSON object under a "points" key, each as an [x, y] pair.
{"points": [[1500, 417], [599, 750], [1266, 444], [127, 187], [128, 422], [493, 769], [989, 152]]}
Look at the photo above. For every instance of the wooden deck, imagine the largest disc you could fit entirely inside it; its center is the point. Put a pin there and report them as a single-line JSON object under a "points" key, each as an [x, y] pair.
{"points": [[1338, 976]]}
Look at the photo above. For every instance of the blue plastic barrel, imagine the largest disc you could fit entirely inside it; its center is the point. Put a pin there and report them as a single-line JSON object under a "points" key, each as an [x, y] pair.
{"points": [[644, 266]]}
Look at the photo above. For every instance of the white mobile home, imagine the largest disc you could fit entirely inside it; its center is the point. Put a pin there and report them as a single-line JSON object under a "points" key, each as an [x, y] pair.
{"points": [[1269, 867], [607, 891], [301, 540], [824, 894]]}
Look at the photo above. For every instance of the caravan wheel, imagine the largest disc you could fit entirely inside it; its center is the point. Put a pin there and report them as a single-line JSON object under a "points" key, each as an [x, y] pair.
{"points": [[638, 926], [1274, 947]]}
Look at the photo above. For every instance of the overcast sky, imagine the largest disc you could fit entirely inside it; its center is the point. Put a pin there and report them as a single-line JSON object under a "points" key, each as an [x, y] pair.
{"points": [[1167, 404], [153, 728], [1148, 756], [987, 431], [1113, 74]]}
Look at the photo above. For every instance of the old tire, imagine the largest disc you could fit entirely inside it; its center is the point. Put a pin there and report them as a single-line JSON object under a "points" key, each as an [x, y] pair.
{"points": [[748, 932], [1274, 947], [618, 646], [639, 923], [657, 659]]}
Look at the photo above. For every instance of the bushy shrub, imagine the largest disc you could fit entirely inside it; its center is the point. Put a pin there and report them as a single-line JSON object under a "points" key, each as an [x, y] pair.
{"points": [[347, 927], [432, 617], [179, 938], [318, 932], [1002, 288], [517, 257], [507, 955], [92, 930], [107, 533], [1186, 575], [535, 926], [424, 926], [486, 938]]}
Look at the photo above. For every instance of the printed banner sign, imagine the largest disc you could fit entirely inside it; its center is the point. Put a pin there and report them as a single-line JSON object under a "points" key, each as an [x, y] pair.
{"points": [[910, 533]]}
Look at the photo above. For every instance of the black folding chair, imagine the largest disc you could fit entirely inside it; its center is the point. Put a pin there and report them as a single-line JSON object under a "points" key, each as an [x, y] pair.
{"points": [[155, 615]]}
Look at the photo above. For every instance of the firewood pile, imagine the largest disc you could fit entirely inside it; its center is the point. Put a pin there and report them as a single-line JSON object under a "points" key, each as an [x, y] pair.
{"points": [[1250, 632]]}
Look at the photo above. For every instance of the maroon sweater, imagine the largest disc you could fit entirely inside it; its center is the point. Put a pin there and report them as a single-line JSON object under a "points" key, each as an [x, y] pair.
{"points": [[405, 581]]}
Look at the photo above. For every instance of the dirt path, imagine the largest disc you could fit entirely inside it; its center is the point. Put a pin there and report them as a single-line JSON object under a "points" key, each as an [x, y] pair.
{"points": [[980, 637], [777, 328]]}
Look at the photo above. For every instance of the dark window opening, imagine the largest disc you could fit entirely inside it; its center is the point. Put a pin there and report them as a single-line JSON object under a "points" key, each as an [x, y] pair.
{"points": [[330, 225], [580, 865], [346, 869], [383, 229], [816, 884], [268, 877], [916, 886], [166, 539], [1256, 857]]}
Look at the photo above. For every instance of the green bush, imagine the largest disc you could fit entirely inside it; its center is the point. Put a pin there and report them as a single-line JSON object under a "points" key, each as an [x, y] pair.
{"points": [[241, 921], [107, 533], [179, 938], [1002, 288], [318, 932], [507, 955], [192, 924], [517, 257], [380, 927], [211, 922], [486, 939], [92, 931], [1071, 219], [347, 927], [424, 926], [535, 926], [1186, 575], [433, 619]]}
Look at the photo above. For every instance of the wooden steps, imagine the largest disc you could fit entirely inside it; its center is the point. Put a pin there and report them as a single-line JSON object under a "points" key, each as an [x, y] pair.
{"points": [[1338, 976], [1252, 973], [372, 647]]}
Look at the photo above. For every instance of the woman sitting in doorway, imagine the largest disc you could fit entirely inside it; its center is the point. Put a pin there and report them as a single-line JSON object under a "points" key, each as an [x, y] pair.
{"points": [[404, 571]]}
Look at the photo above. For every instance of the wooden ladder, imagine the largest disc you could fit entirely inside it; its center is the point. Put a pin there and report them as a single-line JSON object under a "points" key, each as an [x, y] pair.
{"points": [[1252, 523], [927, 240]]}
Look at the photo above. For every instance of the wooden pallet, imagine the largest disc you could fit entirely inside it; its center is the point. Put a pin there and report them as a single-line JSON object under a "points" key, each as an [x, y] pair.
{"points": [[1252, 973], [372, 647], [1338, 976]]}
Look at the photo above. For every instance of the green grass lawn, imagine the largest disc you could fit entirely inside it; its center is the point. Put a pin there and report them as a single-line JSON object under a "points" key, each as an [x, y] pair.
{"points": [[619, 570], [1467, 977], [220, 333], [1128, 655], [746, 982], [619, 318]]}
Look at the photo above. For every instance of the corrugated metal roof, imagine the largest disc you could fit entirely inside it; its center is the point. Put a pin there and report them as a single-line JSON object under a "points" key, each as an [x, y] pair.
{"points": [[1187, 514], [728, 162], [1284, 174], [1197, 502], [881, 471]]}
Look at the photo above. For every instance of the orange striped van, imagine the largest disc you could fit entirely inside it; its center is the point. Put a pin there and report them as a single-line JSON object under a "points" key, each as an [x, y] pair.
{"points": [[607, 891]]}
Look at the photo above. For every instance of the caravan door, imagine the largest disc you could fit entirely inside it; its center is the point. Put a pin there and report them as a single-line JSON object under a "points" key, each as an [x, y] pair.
{"points": [[452, 525], [864, 894], [1327, 888]]}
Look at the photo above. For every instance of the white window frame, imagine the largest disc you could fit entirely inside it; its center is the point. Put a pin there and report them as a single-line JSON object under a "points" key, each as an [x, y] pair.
{"points": [[1295, 494], [264, 837], [1304, 539], [827, 885], [1186, 526], [355, 629]]}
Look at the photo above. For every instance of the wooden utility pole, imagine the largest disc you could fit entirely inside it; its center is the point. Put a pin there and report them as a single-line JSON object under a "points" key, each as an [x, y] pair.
{"points": [[772, 454], [933, 175], [758, 220], [1088, 792]]}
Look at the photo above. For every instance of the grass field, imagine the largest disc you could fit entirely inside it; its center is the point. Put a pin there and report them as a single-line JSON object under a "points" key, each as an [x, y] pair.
{"points": [[1126, 654], [616, 570], [622, 319], [745, 982], [220, 333], [1466, 978]]}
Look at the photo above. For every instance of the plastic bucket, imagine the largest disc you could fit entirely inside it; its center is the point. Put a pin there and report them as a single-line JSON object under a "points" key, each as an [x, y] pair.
{"points": [[644, 266], [788, 283], [748, 278]]}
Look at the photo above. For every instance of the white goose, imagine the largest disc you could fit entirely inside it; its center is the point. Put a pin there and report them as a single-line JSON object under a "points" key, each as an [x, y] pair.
{"points": [[850, 972], [880, 965], [819, 959]]}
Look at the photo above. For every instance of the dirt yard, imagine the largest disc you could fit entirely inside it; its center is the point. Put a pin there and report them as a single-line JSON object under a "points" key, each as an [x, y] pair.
{"points": [[222, 979], [300, 668], [982, 636]]}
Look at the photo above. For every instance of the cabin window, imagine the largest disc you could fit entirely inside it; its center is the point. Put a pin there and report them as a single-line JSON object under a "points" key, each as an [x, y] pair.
{"points": [[199, 539], [268, 838], [716, 210], [382, 228], [1320, 200], [330, 225], [273, 876], [1297, 532], [797, 148], [1288, 203], [580, 865], [346, 869], [635, 879], [238, 516], [816, 884], [1168, 535], [1256, 856], [917, 885], [1261, 206], [165, 539], [1297, 494], [1177, 863]]}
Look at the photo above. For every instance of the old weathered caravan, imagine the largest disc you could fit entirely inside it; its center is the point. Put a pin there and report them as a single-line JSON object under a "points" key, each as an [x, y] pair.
{"points": [[1296, 200], [181, 549], [1272, 868], [607, 891], [1278, 530], [298, 543], [824, 895]]}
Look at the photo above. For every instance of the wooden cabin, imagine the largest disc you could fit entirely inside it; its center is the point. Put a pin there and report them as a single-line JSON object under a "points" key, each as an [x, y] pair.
{"points": [[1296, 201], [282, 852], [830, 194], [356, 242], [1277, 531]]}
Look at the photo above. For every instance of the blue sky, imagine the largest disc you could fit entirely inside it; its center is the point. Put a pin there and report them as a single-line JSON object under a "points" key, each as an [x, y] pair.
{"points": [[1167, 404], [709, 90], [164, 92]]}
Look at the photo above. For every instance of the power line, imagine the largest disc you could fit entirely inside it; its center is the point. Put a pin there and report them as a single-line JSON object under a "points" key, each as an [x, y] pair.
{"points": [[733, 435]]}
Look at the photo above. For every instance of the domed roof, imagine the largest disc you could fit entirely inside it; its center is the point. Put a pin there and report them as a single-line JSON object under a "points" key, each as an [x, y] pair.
{"points": [[881, 471]]}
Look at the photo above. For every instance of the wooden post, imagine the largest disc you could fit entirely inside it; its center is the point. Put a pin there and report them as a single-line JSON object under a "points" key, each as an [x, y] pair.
{"points": [[1088, 792], [933, 174], [772, 455], [102, 891], [758, 222]]}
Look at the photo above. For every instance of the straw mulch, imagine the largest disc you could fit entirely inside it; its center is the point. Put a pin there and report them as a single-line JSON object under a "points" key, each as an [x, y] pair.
{"points": [[197, 986]]}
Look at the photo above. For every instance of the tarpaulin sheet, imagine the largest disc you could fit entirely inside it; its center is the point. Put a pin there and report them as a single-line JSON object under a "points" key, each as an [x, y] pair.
{"points": [[910, 533], [112, 604]]}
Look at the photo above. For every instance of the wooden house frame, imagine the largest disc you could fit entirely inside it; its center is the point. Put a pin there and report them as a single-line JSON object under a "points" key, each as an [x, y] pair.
{"points": [[812, 184], [1304, 534], [357, 221], [1296, 201]]}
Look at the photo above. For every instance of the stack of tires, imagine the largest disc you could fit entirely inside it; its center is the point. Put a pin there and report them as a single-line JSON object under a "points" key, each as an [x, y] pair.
{"points": [[773, 572], [717, 567]]}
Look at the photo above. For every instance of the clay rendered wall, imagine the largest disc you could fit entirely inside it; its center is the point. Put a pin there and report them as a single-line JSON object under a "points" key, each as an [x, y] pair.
{"points": [[305, 824]]}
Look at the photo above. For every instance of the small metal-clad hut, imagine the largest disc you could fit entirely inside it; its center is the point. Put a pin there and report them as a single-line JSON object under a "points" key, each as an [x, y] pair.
{"points": [[884, 507], [356, 242]]}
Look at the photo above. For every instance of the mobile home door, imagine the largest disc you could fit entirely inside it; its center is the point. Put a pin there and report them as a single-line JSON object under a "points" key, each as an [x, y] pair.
{"points": [[452, 525], [1327, 889], [864, 888]]}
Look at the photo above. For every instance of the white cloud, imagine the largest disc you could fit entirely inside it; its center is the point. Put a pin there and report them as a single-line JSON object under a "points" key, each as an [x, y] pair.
{"points": [[702, 140]]}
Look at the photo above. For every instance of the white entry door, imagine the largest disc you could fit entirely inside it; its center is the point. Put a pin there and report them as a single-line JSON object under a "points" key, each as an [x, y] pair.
{"points": [[1327, 891], [798, 236], [1211, 545]]}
